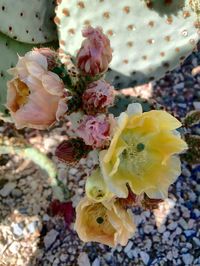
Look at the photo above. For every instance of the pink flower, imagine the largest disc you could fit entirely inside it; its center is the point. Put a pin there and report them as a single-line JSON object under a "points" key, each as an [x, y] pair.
{"points": [[50, 55], [35, 95], [95, 130], [95, 53], [97, 97]]}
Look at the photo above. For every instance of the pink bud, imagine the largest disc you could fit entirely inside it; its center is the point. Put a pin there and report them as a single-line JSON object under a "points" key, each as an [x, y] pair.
{"points": [[97, 97], [95, 53], [95, 131], [49, 54]]}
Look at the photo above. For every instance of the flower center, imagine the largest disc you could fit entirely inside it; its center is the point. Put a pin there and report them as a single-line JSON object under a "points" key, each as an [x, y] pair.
{"points": [[99, 220], [134, 157], [22, 93], [140, 147]]}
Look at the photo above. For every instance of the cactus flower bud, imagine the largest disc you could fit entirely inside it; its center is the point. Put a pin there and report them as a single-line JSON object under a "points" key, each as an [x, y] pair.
{"points": [[95, 130], [71, 151], [50, 55], [95, 53], [97, 97]]}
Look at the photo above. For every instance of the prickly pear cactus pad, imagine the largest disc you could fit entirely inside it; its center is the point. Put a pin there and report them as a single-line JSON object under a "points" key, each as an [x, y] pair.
{"points": [[147, 42], [28, 21], [9, 50]]}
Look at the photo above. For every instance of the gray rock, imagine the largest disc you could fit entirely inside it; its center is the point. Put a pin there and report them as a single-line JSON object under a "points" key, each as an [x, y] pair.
{"points": [[145, 257], [64, 257], [161, 229], [131, 254], [196, 105], [83, 259], [186, 172], [196, 241], [187, 259], [6, 190], [183, 223], [17, 230], [148, 229], [128, 247], [172, 226], [96, 262], [189, 233], [16, 193], [50, 238]]}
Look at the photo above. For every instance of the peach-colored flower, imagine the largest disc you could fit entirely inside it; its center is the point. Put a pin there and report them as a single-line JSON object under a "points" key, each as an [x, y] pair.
{"points": [[108, 224], [35, 95], [95, 130], [95, 53], [97, 97], [50, 55]]}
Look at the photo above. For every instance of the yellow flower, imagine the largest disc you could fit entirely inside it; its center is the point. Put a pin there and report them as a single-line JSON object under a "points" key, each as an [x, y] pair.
{"points": [[108, 224], [96, 188], [143, 153]]}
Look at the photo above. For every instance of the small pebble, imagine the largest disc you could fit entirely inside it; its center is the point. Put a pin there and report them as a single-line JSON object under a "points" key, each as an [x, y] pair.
{"points": [[172, 226], [187, 259], [128, 247], [17, 230], [50, 238], [145, 257], [96, 262], [7, 188]]}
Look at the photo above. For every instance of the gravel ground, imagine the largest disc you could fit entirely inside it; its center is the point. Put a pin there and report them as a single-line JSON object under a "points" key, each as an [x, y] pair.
{"points": [[169, 235]]}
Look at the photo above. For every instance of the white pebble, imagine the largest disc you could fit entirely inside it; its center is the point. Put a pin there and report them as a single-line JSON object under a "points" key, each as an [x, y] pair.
{"points": [[96, 262], [17, 229], [14, 247], [144, 257], [128, 247], [172, 226], [187, 259], [83, 259]]}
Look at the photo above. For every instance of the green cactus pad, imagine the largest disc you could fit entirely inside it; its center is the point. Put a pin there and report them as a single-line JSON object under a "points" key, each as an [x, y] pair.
{"points": [[147, 42], [9, 49], [122, 101], [28, 21]]}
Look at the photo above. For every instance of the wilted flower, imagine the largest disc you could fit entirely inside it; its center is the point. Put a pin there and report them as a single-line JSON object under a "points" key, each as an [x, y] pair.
{"points": [[35, 95], [72, 150], [95, 130], [63, 209], [142, 153], [95, 53], [97, 97], [109, 225]]}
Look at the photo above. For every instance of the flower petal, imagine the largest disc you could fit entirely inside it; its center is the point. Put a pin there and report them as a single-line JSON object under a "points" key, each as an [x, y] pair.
{"points": [[52, 83]]}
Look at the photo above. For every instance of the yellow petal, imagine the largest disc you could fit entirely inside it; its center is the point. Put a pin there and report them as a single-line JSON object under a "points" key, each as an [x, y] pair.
{"points": [[121, 124], [167, 144], [96, 188]]}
